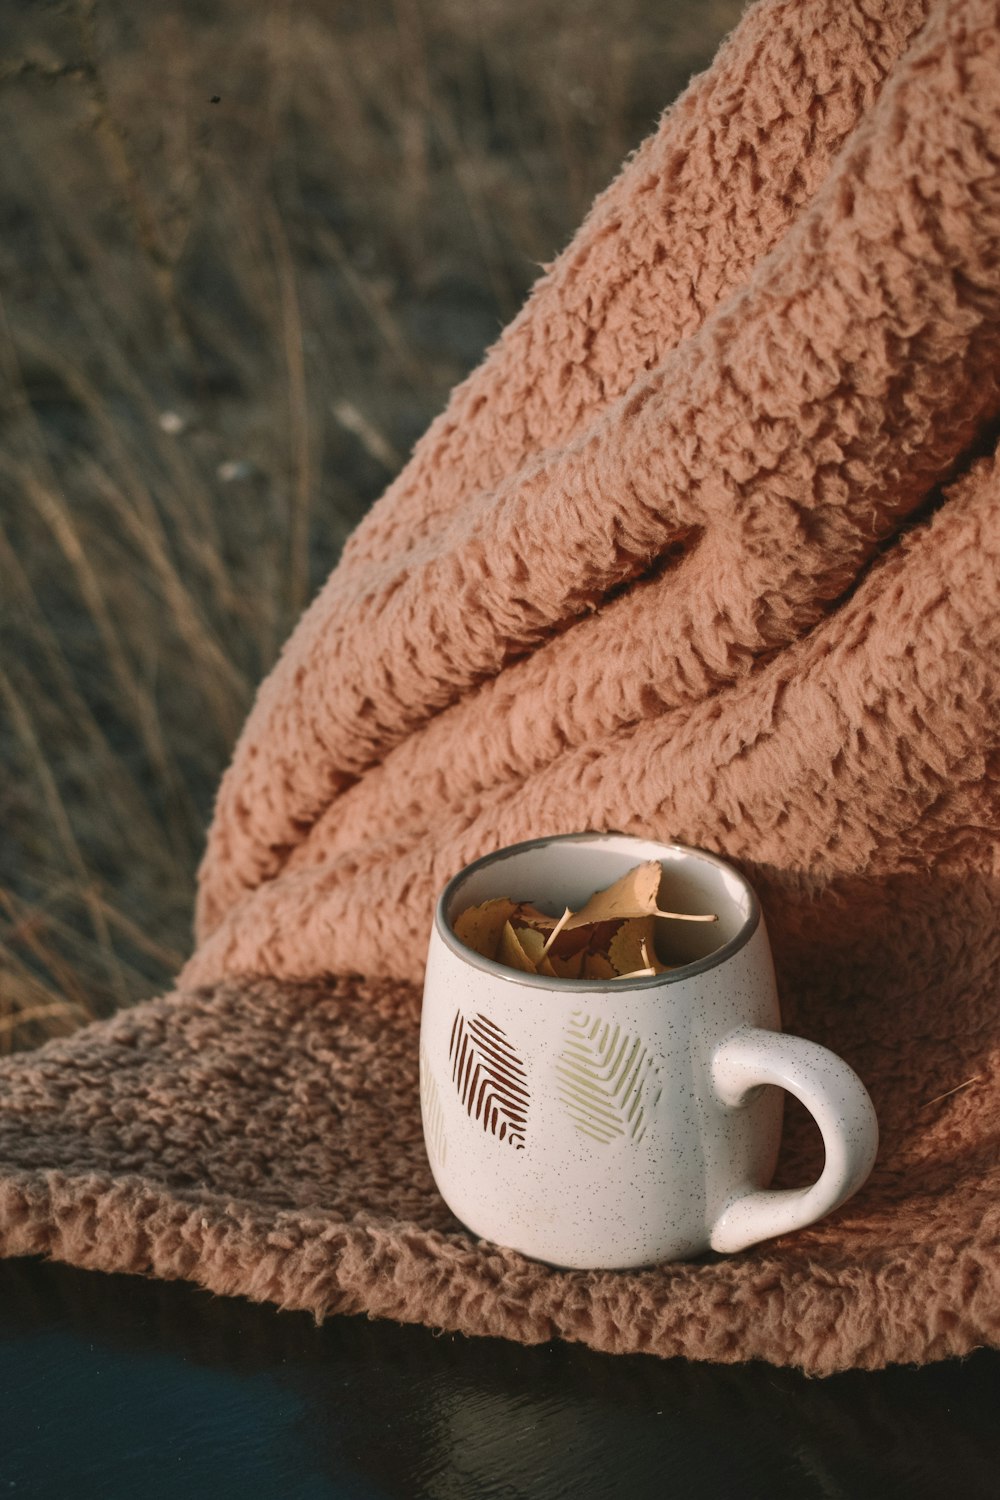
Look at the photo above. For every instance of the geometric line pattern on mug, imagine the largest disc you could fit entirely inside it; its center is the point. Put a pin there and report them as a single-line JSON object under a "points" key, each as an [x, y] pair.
{"points": [[489, 1077], [606, 1079], [433, 1113]]}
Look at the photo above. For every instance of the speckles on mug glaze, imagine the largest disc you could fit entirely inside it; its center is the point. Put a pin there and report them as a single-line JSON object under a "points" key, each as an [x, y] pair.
{"points": [[607, 1079], [489, 1077], [565, 1198]]}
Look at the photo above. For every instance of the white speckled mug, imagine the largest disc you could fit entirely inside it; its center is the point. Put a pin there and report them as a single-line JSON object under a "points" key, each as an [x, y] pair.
{"points": [[597, 1124]]}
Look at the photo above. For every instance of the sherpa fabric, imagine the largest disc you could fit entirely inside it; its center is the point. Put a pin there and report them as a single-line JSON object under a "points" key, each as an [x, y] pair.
{"points": [[708, 549]]}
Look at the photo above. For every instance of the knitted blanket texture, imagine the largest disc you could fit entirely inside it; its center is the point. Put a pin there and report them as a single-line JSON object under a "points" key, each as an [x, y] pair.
{"points": [[706, 549]]}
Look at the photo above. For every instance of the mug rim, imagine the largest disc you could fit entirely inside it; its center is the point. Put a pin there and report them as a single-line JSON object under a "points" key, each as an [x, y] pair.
{"points": [[604, 986]]}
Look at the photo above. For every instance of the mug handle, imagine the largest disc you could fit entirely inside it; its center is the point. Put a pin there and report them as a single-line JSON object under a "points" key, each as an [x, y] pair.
{"points": [[838, 1101]]}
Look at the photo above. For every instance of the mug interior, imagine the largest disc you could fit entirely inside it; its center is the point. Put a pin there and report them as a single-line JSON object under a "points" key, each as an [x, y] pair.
{"points": [[565, 870]]}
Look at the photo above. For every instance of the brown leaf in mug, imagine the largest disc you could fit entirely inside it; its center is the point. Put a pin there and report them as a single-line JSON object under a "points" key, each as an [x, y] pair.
{"points": [[611, 936], [602, 935], [528, 915], [566, 968], [632, 944], [635, 894], [480, 927], [512, 954], [567, 945], [596, 966], [533, 946]]}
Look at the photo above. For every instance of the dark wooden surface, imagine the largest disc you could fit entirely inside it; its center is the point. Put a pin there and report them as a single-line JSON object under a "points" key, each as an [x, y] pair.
{"points": [[121, 1386]]}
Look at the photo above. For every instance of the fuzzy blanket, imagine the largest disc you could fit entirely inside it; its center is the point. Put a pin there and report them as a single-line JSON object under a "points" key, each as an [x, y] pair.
{"points": [[708, 548]]}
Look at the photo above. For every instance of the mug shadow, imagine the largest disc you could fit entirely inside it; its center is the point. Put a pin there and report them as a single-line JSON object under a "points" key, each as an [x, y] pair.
{"points": [[882, 970]]}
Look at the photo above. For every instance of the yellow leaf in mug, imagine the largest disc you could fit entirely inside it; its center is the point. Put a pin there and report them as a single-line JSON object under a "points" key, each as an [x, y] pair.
{"points": [[569, 944], [533, 945], [596, 966], [512, 954], [566, 968], [479, 927], [611, 936], [599, 935], [530, 916], [626, 950], [633, 895]]}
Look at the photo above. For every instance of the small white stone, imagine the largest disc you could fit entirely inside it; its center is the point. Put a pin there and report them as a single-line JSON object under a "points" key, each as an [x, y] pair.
{"points": [[172, 423]]}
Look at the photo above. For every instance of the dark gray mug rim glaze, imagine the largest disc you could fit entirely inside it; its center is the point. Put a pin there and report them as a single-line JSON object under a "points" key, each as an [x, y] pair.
{"points": [[605, 986]]}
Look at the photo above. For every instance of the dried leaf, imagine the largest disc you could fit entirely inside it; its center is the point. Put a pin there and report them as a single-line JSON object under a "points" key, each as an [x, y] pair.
{"points": [[601, 935], [633, 895], [512, 954], [596, 966], [558, 928], [630, 947], [613, 936], [566, 968], [557, 941], [528, 915], [479, 927], [533, 946]]}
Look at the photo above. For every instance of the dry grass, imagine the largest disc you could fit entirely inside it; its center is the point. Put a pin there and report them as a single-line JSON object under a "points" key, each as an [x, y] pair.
{"points": [[226, 325]]}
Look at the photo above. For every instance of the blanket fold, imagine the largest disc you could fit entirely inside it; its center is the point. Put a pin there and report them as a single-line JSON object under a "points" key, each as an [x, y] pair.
{"points": [[708, 549]]}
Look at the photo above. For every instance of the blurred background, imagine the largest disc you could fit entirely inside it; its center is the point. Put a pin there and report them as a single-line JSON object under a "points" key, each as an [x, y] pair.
{"points": [[246, 251]]}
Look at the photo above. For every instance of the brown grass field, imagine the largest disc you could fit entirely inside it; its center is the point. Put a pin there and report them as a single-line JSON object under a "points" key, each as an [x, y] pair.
{"points": [[246, 251]]}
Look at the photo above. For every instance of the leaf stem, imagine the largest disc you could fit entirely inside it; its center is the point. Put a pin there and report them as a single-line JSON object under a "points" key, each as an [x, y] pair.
{"points": [[556, 930]]}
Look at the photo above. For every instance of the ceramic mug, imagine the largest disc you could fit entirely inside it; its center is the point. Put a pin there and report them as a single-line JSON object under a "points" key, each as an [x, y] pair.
{"points": [[595, 1124]]}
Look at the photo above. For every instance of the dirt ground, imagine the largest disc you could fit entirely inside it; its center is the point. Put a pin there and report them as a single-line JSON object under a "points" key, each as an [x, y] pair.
{"points": [[246, 250]]}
